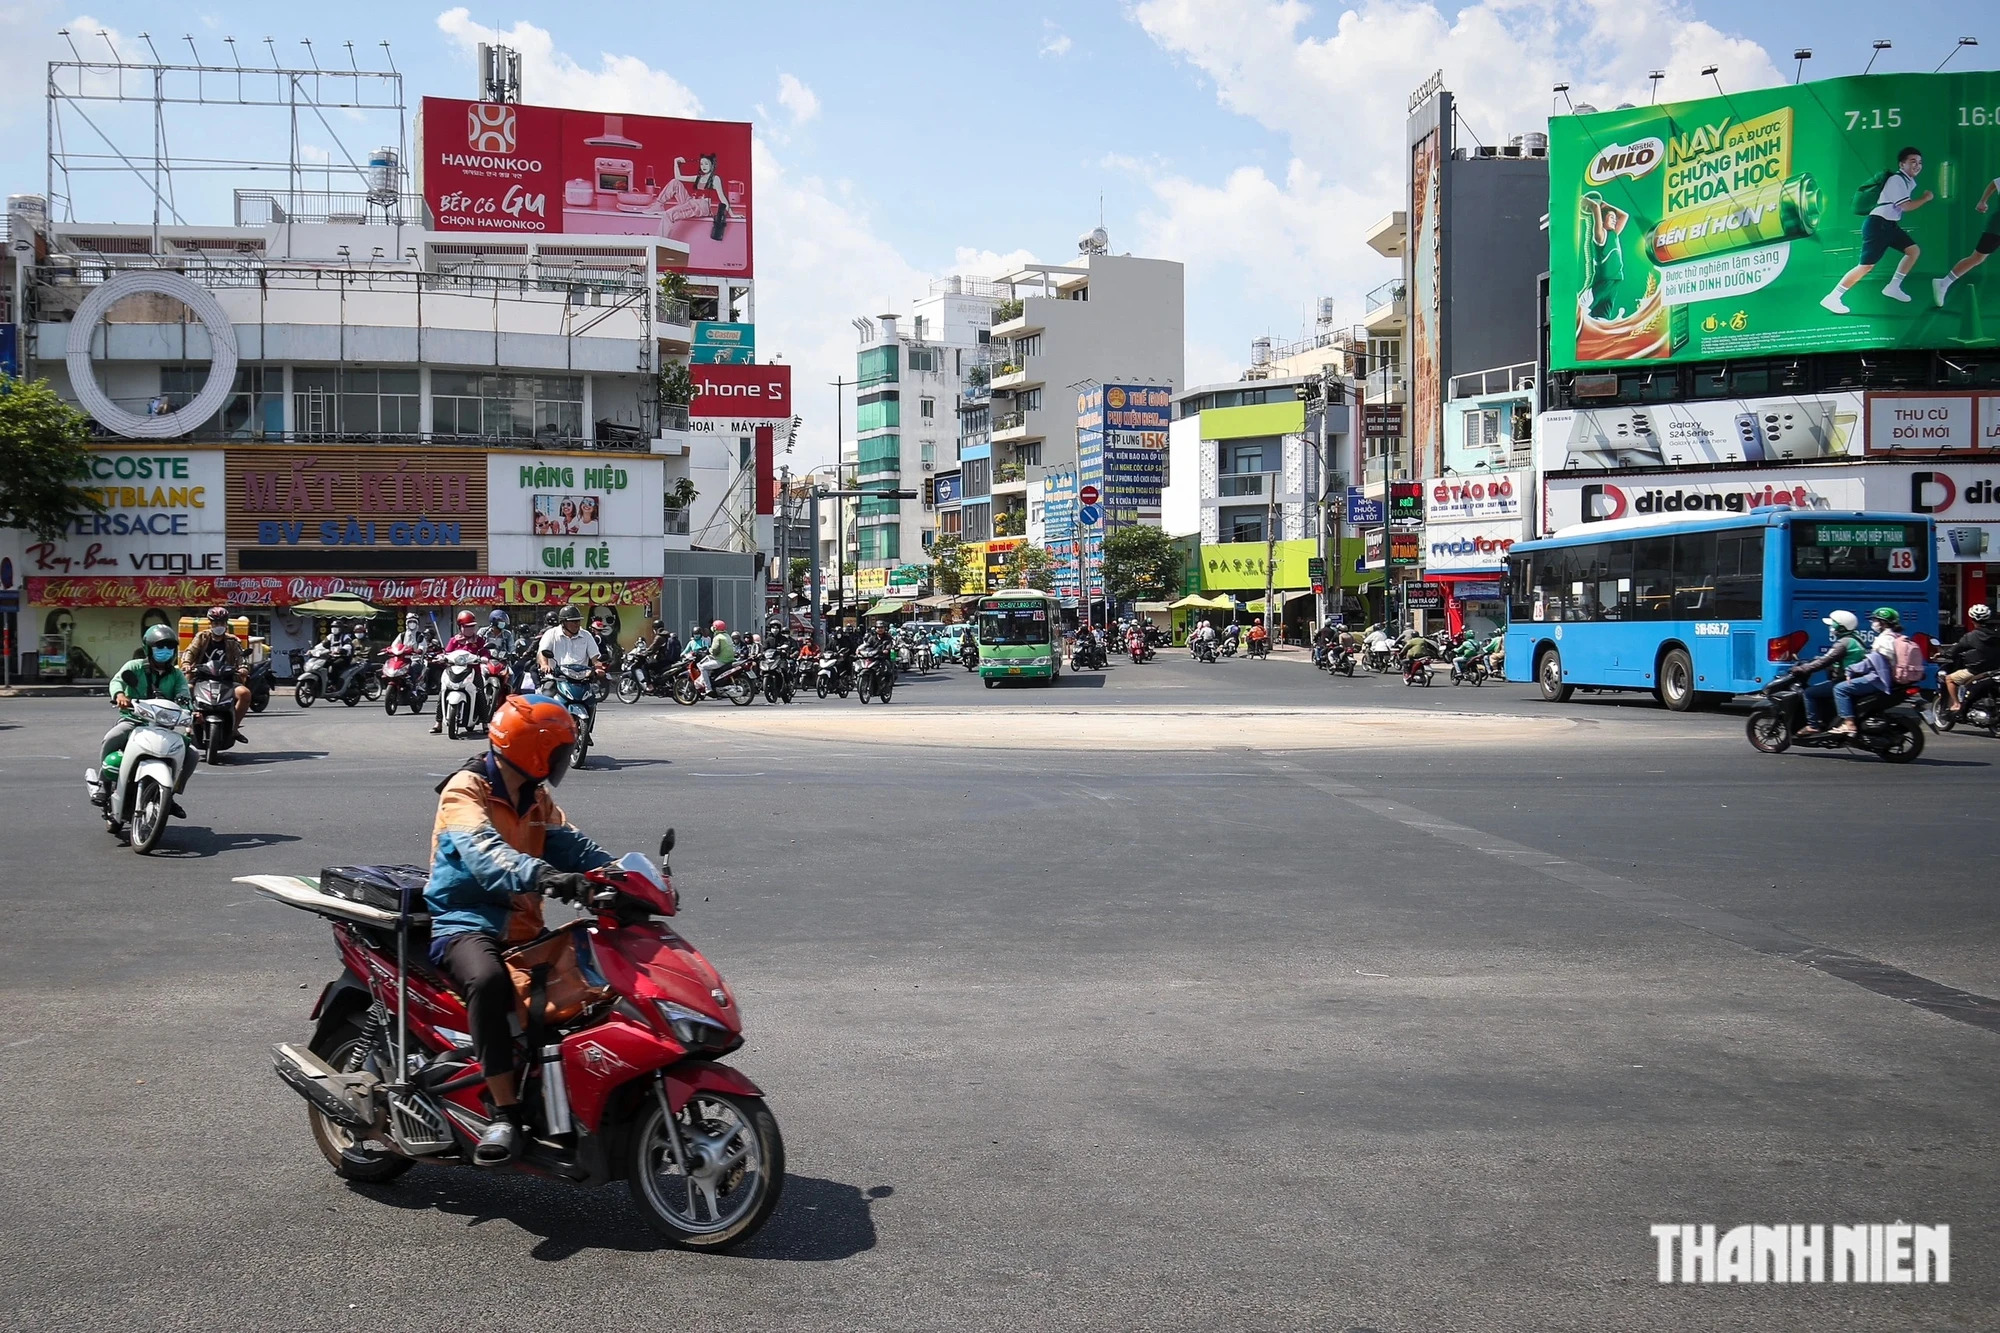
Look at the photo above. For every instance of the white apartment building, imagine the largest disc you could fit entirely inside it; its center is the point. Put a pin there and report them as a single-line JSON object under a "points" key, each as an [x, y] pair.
{"points": [[1105, 319], [910, 375]]}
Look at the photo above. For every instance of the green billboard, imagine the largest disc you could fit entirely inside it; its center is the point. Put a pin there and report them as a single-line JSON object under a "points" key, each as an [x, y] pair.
{"points": [[1844, 215]]}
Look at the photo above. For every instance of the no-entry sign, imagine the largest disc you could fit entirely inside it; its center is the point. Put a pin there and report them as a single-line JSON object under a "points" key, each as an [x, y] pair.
{"points": [[1088, 495]]}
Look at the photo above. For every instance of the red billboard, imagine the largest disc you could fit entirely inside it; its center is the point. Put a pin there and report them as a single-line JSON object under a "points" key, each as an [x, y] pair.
{"points": [[741, 391], [488, 166]]}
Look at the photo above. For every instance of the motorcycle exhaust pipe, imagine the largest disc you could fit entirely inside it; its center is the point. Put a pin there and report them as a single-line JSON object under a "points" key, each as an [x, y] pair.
{"points": [[319, 1083]]}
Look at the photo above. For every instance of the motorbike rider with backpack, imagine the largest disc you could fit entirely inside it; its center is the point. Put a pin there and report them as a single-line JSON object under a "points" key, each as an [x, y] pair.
{"points": [[467, 639], [1875, 673], [150, 675], [1976, 652], [217, 639], [498, 845]]}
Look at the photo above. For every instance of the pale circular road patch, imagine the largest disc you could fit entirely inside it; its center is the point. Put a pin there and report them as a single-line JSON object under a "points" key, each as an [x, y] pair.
{"points": [[1132, 728]]}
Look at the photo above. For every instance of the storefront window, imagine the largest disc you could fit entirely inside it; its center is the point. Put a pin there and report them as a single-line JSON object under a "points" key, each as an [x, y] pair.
{"points": [[334, 403], [254, 411], [507, 407]]}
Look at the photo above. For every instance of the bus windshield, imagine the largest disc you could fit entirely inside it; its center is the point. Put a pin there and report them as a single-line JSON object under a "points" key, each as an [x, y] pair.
{"points": [[1006, 626], [1860, 550]]}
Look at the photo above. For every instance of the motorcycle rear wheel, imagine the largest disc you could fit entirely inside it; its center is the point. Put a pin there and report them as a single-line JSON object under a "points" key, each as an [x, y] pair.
{"points": [[1909, 743], [149, 817], [345, 1049], [684, 692], [741, 695], [373, 689], [709, 1207]]}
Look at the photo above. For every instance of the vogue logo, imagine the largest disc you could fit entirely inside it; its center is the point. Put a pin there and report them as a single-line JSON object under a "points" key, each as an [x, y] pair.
{"points": [[490, 127]]}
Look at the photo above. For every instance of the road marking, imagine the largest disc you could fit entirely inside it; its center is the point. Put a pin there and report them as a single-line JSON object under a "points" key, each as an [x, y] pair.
{"points": [[1884, 979]]}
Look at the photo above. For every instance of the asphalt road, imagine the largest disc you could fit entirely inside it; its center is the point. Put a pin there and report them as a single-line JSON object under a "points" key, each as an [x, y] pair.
{"points": [[1231, 1037]]}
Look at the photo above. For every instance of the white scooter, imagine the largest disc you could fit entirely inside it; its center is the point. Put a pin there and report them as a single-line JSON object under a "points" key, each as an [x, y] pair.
{"points": [[153, 770], [459, 689]]}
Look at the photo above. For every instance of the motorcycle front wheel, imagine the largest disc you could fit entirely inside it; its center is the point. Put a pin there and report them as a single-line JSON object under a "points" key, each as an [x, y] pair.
{"points": [[716, 1180], [1768, 731], [628, 689], [741, 695], [149, 817], [684, 691], [306, 692], [820, 685]]}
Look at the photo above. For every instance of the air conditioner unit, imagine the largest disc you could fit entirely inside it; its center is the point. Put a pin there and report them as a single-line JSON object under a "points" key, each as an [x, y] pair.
{"points": [[929, 466]]}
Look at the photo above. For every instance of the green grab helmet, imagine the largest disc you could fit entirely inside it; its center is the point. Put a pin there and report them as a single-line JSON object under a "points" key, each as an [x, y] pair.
{"points": [[1888, 615], [161, 636]]}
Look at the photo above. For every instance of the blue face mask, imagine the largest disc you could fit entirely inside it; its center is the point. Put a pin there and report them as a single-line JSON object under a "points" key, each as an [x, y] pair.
{"points": [[163, 655]]}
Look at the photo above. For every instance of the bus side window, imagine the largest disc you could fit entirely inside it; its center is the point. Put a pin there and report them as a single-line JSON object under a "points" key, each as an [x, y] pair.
{"points": [[1694, 575], [1739, 575], [1652, 578]]}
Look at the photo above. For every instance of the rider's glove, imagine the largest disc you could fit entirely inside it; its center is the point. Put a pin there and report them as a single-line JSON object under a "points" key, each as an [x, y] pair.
{"points": [[566, 885]]}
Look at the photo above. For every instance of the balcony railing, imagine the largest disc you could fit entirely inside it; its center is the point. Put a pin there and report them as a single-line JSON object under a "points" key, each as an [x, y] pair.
{"points": [[673, 416], [1010, 472], [1248, 485], [1010, 421], [1388, 293], [1385, 381], [672, 310], [263, 208], [1007, 310]]}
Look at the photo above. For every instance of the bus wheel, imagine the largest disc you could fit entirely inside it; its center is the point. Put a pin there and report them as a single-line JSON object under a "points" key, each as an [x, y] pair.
{"points": [[1676, 688], [1549, 676]]}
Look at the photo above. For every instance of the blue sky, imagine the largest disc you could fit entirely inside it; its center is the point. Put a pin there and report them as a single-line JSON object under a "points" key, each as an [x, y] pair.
{"points": [[1251, 139]]}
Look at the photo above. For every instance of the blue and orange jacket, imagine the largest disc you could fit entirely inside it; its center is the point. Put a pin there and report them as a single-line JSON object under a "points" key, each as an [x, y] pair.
{"points": [[487, 853]]}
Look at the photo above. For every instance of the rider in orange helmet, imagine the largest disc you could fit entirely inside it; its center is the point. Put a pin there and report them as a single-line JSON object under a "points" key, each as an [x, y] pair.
{"points": [[499, 844]]}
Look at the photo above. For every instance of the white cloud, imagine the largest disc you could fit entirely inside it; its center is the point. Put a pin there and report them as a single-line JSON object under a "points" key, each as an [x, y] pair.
{"points": [[973, 263], [28, 42], [1340, 102], [554, 78], [797, 98], [1055, 42]]}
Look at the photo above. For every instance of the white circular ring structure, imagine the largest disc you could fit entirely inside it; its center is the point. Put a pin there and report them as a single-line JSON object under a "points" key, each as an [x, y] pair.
{"points": [[222, 357]]}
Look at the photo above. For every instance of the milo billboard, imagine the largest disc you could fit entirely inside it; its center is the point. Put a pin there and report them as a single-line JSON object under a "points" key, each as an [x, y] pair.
{"points": [[1844, 215]]}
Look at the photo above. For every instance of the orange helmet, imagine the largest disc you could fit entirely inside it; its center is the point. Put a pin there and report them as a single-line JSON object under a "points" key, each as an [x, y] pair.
{"points": [[534, 733]]}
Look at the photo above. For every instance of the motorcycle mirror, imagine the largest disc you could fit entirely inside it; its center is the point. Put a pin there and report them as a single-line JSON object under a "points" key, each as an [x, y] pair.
{"points": [[667, 844]]}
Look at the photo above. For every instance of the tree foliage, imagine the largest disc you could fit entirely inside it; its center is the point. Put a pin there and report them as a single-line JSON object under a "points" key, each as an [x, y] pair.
{"points": [[948, 561], [44, 461], [676, 385], [1029, 566], [1141, 563]]}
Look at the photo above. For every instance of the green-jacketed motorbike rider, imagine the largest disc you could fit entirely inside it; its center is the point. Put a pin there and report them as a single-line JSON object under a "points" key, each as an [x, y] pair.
{"points": [[153, 674]]}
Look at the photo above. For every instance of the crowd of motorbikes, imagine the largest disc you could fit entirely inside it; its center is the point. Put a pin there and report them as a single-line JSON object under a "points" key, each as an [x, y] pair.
{"points": [[1465, 658]]}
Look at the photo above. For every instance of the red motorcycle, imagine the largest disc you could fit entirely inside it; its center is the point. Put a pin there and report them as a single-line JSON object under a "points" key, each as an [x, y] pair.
{"points": [[628, 1089], [403, 676]]}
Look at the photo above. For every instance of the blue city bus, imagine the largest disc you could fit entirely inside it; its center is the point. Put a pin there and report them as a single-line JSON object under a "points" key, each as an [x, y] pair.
{"points": [[1699, 609]]}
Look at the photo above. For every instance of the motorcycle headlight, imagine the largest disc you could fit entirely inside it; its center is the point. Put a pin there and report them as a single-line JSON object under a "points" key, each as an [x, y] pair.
{"points": [[696, 1031]]}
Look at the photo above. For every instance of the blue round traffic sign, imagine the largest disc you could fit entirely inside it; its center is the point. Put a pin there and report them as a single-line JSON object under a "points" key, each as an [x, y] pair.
{"points": [[1088, 515]]}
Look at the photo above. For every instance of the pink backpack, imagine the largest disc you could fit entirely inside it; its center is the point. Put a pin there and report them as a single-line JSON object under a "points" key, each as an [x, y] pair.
{"points": [[1908, 661]]}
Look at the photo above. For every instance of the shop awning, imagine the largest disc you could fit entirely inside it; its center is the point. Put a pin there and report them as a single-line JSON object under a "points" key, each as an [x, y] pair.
{"points": [[1154, 606], [337, 606], [1282, 599], [887, 608], [1200, 603], [935, 603]]}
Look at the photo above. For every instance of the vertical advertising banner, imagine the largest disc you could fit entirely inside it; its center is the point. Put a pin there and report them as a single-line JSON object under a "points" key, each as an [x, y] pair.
{"points": [[485, 166], [1831, 216], [1430, 157]]}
